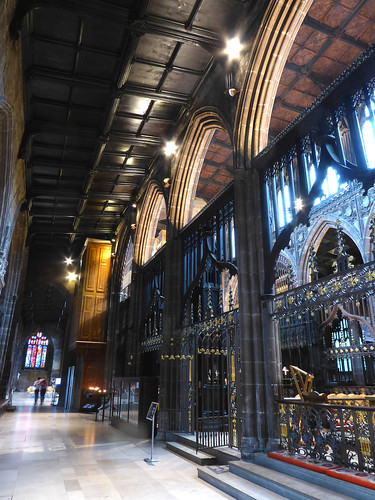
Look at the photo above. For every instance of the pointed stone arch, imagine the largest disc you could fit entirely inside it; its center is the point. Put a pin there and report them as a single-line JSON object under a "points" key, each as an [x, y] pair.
{"points": [[315, 237], [147, 223], [271, 48], [189, 164]]}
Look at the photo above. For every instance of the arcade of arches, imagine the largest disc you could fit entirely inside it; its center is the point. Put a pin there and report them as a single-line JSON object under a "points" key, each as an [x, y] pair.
{"points": [[195, 279]]}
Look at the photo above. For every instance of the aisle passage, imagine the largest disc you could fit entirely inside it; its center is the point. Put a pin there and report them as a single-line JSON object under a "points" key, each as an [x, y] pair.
{"points": [[46, 454]]}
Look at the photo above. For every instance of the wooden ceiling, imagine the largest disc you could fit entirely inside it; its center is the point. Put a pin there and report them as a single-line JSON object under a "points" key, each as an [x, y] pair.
{"points": [[106, 83], [333, 34]]}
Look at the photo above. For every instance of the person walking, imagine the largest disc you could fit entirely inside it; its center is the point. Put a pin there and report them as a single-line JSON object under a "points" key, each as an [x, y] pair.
{"points": [[43, 384], [36, 390]]}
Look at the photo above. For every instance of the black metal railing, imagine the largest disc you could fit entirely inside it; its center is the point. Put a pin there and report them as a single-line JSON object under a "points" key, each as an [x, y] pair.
{"points": [[341, 434], [216, 431]]}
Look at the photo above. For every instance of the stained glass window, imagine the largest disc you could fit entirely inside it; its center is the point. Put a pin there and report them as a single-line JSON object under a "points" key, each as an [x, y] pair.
{"points": [[36, 352]]}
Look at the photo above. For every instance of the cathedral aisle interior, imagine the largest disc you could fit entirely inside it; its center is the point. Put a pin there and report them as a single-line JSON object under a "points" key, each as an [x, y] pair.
{"points": [[46, 454]]}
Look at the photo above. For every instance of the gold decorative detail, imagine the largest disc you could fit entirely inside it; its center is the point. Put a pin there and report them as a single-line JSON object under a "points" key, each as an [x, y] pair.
{"points": [[353, 281], [370, 276], [337, 286], [322, 290], [279, 304], [291, 300], [309, 294]]}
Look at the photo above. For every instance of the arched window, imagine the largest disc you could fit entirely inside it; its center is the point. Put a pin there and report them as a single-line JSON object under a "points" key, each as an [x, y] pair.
{"points": [[368, 133], [36, 352]]}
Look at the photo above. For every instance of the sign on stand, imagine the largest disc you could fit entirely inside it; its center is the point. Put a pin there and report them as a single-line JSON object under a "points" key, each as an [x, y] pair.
{"points": [[151, 416]]}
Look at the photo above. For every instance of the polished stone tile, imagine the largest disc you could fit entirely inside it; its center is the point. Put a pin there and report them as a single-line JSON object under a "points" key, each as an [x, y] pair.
{"points": [[46, 454]]}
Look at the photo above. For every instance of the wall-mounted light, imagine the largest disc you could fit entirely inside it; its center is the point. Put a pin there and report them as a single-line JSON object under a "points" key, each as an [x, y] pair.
{"points": [[232, 91], [233, 48], [68, 261], [134, 204], [133, 226], [170, 148], [167, 182], [72, 276]]}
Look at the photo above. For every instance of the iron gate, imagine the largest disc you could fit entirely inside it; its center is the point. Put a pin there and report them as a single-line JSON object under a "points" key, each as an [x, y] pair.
{"points": [[212, 376]]}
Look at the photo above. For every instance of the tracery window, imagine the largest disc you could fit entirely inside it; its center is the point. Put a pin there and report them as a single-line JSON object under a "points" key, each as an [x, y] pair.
{"points": [[341, 338], [36, 352]]}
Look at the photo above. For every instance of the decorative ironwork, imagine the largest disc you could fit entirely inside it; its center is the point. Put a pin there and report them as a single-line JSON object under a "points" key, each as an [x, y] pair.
{"points": [[335, 289], [340, 434]]}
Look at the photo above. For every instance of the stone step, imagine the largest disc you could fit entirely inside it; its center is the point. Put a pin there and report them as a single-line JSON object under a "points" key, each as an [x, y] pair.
{"points": [[235, 486], [283, 484], [199, 458], [331, 483]]}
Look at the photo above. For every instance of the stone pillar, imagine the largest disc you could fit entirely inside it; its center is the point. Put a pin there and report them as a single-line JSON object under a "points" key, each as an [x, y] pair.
{"points": [[259, 348], [170, 371]]}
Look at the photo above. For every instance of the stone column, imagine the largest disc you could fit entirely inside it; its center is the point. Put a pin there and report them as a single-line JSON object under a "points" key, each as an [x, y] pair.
{"points": [[260, 352]]}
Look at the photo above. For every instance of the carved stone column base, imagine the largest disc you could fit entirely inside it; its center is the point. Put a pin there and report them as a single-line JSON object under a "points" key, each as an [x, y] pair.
{"points": [[272, 445], [249, 446]]}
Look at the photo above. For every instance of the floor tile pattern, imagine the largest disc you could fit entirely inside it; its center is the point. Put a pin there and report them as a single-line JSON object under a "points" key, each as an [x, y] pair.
{"points": [[47, 454]]}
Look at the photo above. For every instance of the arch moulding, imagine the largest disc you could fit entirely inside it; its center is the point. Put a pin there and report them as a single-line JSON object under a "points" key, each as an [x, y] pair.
{"points": [[271, 48], [189, 164], [147, 223]]}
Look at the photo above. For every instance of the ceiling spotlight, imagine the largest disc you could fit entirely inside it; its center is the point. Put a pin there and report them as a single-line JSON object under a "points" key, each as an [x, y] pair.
{"points": [[233, 48], [170, 148], [167, 182], [72, 276], [68, 261]]}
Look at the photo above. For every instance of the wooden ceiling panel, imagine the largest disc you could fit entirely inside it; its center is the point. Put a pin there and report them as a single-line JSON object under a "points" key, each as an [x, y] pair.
{"points": [[155, 48], [192, 56], [180, 82], [212, 14], [94, 97], [360, 27], [171, 9], [336, 16], [98, 65], [145, 75], [64, 26], [320, 9], [302, 57], [103, 35], [316, 41], [62, 58], [47, 89], [126, 124], [133, 104]]}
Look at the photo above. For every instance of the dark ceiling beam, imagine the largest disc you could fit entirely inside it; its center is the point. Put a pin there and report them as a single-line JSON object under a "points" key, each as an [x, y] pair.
{"points": [[65, 178], [65, 43], [318, 79], [150, 93], [334, 33], [43, 127], [66, 78], [66, 105], [43, 213], [115, 13], [37, 192], [290, 107], [135, 116], [68, 230], [127, 170], [157, 64]]}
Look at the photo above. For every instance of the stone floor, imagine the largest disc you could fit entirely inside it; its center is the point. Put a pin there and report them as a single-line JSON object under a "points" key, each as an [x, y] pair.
{"points": [[46, 454]]}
